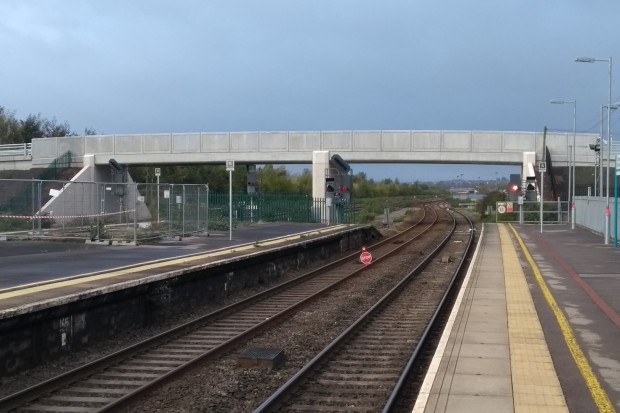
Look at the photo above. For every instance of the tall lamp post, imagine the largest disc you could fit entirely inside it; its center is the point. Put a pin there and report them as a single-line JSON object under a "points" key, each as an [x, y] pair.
{"points": [[592, 60], [571, 171], [614, 106]]}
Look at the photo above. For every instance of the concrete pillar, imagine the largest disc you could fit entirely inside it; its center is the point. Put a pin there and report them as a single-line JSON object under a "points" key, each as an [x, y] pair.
{"points": [[320, 163], [529, 161]]}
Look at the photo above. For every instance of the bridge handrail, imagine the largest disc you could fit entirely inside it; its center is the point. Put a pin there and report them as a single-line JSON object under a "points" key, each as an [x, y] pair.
{"points": [[14, 149]]}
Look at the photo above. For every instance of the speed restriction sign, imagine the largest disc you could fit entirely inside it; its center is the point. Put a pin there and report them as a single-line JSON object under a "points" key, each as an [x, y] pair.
{"points": [[501, 209]]}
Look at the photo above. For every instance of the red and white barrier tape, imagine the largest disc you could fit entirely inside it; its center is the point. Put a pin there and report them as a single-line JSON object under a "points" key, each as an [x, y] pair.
{"points": [[63, 216]]}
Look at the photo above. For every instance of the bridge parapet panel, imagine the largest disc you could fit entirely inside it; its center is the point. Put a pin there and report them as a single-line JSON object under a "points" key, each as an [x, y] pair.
{"points": [[389, 146]]}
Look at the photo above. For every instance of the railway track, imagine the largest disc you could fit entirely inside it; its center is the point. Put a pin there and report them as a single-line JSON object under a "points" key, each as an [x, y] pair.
{"points": [[114, 380], [367, 368]]}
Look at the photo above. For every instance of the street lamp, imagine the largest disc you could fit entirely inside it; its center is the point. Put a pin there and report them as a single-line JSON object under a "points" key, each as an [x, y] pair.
{"points": [[571, 175], [614, 106], [593, 60]]}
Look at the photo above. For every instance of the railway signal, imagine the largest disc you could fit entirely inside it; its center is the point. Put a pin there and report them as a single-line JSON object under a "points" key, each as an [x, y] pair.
{"points": [[514, 187]]}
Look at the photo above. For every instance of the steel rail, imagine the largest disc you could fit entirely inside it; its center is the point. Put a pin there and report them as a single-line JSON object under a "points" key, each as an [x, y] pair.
{"points": [[272, 320], [280, 395], [28, 395], [404, 377]]}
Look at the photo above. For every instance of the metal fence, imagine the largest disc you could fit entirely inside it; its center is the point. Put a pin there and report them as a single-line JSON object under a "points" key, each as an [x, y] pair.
{"points": [[126, 212], [18, 197], [554, 212], [54, 169]]}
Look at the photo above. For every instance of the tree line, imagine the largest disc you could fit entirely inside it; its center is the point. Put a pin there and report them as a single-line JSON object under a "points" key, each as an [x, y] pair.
{"points": [[13, 130], [273, 179]]}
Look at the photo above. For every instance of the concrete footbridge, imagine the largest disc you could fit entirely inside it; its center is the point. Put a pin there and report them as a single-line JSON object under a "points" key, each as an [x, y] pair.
{"points": [[290, 147], [94, 152]]}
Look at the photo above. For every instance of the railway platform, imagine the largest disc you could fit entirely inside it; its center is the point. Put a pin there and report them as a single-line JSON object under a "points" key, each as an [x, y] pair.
{"points": [[35, 261], [39, 271], [535, 327]]}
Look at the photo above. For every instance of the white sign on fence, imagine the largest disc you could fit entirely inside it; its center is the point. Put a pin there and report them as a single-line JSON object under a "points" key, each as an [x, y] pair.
{"points": [[542, 166]]}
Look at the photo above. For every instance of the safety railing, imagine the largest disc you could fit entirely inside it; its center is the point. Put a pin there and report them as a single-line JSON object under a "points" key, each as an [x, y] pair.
{"points": [[17, 149]]}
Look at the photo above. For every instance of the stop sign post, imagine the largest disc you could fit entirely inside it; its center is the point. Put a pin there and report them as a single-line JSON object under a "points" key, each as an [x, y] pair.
{"points": [[365, 256]]}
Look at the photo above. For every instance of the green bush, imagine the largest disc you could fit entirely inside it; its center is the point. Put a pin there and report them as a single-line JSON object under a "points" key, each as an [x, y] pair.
{"points": [[9, 224]]}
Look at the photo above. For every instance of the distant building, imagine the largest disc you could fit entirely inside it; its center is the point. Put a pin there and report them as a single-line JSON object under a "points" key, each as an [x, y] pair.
{"points": [[466, 194]]}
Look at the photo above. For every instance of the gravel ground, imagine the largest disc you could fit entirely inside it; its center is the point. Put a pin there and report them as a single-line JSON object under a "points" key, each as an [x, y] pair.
{"points": [[220, 386]]}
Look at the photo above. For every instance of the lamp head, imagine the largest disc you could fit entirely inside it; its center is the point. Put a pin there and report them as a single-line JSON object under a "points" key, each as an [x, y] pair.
{"points": [[585, 60]]}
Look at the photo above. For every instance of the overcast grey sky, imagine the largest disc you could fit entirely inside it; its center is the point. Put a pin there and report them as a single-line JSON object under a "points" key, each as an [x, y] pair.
{"points": [[245, 65]]}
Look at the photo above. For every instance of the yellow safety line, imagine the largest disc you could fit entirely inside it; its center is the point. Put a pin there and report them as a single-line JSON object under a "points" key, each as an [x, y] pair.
{"points": [[535, 383], [600, 397], [85, 278]]}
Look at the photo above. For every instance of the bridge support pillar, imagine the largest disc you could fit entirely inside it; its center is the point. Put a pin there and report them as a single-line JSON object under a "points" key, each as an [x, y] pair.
{"points": [[320, 163], [529, 184], [90, 194]]}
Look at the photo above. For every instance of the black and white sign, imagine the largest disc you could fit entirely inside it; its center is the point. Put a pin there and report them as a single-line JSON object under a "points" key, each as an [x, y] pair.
{"points": [[501, 207]]}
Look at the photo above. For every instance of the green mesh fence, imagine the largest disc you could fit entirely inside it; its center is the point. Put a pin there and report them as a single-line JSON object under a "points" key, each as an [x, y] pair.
{"points": [[179, 210], [59, 165], [30, 196], [138, 212]]}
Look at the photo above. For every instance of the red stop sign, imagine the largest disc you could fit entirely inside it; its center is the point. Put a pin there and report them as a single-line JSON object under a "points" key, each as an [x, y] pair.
{"points": [[366, 257]]}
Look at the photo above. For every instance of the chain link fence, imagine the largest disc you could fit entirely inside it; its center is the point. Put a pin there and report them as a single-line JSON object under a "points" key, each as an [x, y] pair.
{"points": [[137, 212]]}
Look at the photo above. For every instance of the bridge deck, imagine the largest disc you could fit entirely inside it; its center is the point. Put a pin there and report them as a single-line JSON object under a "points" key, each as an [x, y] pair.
{"points": [[383, 146]]}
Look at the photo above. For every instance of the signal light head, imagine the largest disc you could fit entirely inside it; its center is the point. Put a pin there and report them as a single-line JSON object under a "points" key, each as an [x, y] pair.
{"points": [[363, 249], [344, 189], [514, 188]]}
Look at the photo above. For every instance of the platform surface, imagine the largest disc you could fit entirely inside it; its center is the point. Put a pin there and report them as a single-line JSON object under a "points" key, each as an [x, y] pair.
{"points": [[535, 328], [39, 260], [39, 274]]}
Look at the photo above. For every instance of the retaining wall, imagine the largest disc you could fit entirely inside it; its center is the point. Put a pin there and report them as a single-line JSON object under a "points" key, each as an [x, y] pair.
{"points": [[38, 336]]}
